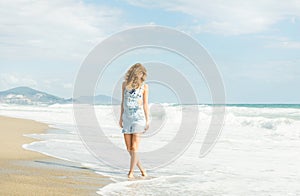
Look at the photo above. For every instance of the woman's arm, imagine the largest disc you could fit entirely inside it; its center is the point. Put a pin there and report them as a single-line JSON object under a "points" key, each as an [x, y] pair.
{"points": [[146, 108], [122, 108]]}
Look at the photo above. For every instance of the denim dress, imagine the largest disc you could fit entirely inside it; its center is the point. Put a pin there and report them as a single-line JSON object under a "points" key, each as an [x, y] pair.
{"points": [[133, 115]]}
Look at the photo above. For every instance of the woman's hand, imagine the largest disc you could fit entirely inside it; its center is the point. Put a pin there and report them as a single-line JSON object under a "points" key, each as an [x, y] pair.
{"points": [[121, 122], [147, 125]]}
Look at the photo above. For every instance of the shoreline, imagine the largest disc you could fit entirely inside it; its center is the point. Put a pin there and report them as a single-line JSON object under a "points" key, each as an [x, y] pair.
{"points": [[24, 172]]}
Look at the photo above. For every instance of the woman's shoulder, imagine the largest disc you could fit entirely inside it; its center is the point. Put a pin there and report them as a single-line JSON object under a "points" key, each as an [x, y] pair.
{"points": [[145, 85], [124, 86]]}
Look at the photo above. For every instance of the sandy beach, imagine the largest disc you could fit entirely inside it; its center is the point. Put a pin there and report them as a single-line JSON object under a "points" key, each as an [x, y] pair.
{"points": [[24, 172]]}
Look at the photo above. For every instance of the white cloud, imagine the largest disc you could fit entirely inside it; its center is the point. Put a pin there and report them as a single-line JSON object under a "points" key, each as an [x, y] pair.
{"points": [[57, 86], [272, 41], [10, 80], [231, 17], [275, 72], [284, 44], [61, 29], [68, 85]]}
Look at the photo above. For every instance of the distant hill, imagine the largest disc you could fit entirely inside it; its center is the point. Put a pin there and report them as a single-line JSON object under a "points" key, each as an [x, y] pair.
{"points": [[27, 96]]}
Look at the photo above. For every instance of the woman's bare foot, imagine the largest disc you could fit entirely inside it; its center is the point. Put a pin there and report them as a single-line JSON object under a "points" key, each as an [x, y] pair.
{"points": [[130, 174], [144, 173]]}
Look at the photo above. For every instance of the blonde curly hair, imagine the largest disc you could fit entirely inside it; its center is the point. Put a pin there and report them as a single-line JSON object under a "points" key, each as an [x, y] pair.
{"points": [[131, 77]]}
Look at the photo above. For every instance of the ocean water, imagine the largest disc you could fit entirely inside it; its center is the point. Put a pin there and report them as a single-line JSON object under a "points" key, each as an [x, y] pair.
{"points": [[258, 152]]}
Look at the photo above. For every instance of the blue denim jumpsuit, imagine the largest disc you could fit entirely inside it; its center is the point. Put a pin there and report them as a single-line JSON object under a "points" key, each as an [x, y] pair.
{"points": [[133, 115]]}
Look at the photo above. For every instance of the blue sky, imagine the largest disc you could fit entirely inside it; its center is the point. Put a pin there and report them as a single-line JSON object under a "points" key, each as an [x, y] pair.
{"points": [[256, 44]]}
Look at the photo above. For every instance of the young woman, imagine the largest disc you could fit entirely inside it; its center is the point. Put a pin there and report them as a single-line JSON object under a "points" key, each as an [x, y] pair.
{"points": [[134, 118]]}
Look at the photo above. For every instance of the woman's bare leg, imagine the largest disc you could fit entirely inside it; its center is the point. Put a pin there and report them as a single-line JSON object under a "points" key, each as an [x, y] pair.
{"points": [[132, 143], [133, 151], [135, 160], [128, 138]]}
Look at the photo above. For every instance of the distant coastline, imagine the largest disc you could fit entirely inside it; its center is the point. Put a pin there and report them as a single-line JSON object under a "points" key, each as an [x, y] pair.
{"points": [[28, 96]]}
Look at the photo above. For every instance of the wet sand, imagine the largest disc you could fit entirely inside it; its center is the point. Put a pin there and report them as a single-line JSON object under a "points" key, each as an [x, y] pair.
{"points": [[25, 172]]}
